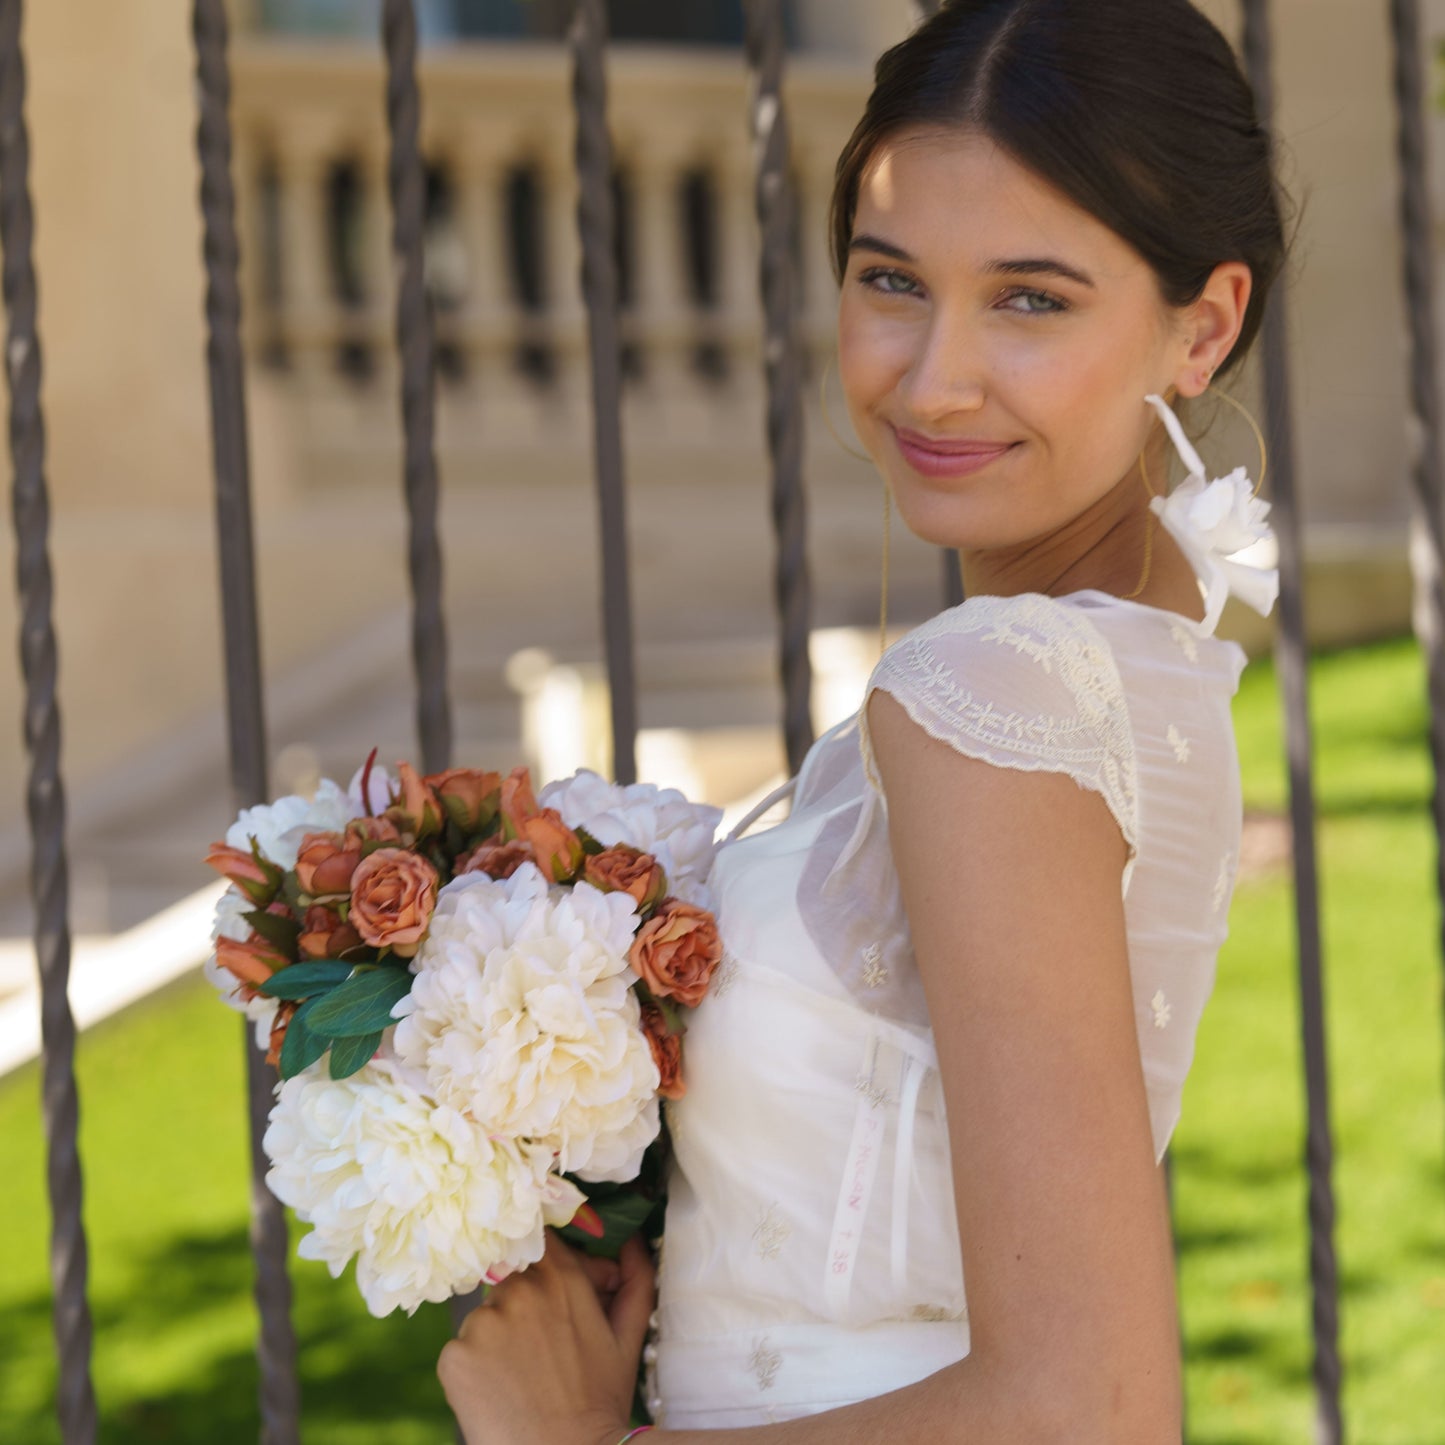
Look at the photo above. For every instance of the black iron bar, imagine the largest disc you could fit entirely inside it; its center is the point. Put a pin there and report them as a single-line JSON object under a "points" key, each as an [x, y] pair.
{"points": [[596, 224], [416, 344], [1292, 663], [44, 792], [279, 1389], [1427, 476], [783, 362]]}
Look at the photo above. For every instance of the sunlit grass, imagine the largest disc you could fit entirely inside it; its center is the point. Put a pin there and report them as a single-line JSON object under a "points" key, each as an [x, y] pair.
{"points": [[164, 1150]]}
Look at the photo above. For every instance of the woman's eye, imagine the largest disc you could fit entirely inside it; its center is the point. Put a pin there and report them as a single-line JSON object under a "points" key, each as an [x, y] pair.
{"points": [[1049, 304], [881, 279]]}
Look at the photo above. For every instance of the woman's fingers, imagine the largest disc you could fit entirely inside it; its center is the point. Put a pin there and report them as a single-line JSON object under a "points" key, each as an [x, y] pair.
{"points": [[636, 1294]]}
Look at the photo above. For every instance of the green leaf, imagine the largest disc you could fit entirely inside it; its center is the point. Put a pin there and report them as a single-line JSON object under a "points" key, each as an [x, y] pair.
{"points": [[303, 980], [590, 845], [361, 1005], [279, 931], [300, 1048], [351, 1054], [622, 1215]]}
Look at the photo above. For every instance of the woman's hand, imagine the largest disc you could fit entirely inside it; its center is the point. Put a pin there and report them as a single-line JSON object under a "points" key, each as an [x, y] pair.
{"points": [[551, 1357]]}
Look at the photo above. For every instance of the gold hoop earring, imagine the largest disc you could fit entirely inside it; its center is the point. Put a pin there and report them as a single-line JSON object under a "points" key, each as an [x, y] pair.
{"points": [[828, 420], [883, 599]]}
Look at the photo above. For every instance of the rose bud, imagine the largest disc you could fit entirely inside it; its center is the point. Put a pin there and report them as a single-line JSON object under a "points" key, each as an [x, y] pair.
{"points": [[416, 809], [469, 798], [624, 869], [497, 860], [666, 1052], [676, 951], [250, 963], [589, 1221], [372, 830], [258, 878], [284, 1014], [558, 849], [393, 893], [325, 863], [324, 935], [517, 801]]}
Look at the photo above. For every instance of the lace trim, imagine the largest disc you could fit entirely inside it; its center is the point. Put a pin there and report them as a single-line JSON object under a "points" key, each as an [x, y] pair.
{"points": [[1093, 741]]}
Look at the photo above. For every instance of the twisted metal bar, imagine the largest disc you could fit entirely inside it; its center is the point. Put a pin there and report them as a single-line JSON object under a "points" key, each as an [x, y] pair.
{"points": [[783, 360], [587, 40], [279, 1390], [45, 795], [1428, 473], [406, 182], [1292, 661]]}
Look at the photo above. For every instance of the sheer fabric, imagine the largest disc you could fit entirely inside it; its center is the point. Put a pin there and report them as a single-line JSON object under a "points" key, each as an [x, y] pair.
{"points": [[811, 1254]]}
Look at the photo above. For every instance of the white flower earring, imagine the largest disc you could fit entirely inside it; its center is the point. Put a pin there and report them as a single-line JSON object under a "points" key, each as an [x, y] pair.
{"points": [[1219, 525]]}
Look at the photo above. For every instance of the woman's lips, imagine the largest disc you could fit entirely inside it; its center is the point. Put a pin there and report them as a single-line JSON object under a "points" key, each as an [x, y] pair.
{"points": [[947, 459]]}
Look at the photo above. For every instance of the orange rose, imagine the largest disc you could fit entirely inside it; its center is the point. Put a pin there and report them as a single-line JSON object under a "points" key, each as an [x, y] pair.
{"points": [[250, 963], [284, 1014], [558, 849], [497, 859], [393, 893], [676, 951], [256, 878], [624, 869], [324, 935], [372, 830], [666, 1052], [470, 799], [325, 863], [517, 800], [417, 810]]}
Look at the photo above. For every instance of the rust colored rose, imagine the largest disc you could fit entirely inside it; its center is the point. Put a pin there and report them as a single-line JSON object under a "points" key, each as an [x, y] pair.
{"points": [[256, 878], [497, 859], [325, 863], [250, 963], [417, 810], [624, 869], [666, 1052], [469, 798], [372, 830], [676, 951], [517, 801], [324, 935], [557, 848], [393, 893], [284, 1014]]}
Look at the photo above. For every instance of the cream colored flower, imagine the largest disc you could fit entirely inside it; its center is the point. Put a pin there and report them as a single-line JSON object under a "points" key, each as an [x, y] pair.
{"points": [[279, 827], [229, 923], [523, 1016], [424, 1200]]}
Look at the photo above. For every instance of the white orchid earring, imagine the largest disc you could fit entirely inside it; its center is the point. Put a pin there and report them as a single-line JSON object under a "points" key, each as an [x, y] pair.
{"points": [[1220, 527]]}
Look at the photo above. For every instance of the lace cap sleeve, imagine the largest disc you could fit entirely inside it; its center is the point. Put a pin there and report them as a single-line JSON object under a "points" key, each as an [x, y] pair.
{"points": [[1023, 682]]}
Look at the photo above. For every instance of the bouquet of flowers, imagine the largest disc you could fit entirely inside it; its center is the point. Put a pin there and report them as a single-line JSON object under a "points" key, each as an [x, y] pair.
{"points": [[474, 997]]}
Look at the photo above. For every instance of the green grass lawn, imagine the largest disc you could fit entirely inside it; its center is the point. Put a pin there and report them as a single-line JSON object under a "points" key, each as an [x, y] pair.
{"points": [[163, 1144]]}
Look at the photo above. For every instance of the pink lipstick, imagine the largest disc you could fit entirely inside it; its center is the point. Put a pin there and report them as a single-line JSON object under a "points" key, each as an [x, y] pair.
{"points": [[932, 458]]}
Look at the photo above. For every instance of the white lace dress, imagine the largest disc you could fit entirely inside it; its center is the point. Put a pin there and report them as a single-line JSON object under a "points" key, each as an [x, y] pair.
{"points": [[811, 1254]]}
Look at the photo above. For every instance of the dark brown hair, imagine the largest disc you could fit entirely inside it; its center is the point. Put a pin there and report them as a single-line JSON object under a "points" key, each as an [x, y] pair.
{"points": [[1136, 110]]}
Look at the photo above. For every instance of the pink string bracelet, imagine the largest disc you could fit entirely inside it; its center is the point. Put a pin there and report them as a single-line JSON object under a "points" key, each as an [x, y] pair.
{"points": [[632, 1434]]}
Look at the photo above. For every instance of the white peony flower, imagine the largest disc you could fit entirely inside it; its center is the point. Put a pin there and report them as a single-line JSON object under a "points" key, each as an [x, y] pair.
{"points": [[660, 821], [1221, 528], [279, 827], [425, 1200], [229, 923], [523, 1015]]}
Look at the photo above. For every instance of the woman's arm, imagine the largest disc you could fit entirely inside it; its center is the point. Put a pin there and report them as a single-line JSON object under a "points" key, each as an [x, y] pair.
{"points": [[1011, 881]]}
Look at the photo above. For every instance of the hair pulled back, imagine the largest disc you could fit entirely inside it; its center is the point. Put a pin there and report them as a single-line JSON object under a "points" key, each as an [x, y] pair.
{"points": [[1136, 110]]}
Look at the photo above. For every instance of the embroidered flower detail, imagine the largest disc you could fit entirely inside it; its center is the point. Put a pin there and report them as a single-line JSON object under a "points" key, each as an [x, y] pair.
{"points": [[1179, 743], [1221, 882], [771, 1232], [765, 1362], [875, 971], [936, 1313], [1185, 640], [725, 977], [1220, 527], [1161, 1009], [876, 1094]]}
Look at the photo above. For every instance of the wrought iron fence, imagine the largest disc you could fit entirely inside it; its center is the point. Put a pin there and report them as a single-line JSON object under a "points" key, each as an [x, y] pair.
{"points": [[765, 52]]}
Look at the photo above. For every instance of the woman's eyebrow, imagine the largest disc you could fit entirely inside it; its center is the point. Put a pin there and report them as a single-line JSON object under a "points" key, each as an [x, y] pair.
{"points": [[1024, 266]]}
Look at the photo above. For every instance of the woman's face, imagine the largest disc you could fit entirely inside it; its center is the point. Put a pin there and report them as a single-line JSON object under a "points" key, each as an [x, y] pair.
{"points": [[995, 344]]}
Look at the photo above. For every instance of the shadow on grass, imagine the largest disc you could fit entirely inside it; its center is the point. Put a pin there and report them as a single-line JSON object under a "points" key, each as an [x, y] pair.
{"points": [[358, 1374]]}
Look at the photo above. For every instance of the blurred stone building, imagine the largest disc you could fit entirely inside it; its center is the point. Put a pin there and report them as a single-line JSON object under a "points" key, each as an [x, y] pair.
{"points": [[115, 181]]}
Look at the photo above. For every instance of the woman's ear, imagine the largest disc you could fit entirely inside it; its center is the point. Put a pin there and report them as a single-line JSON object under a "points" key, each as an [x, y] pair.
{"points": [[1212, 325]]}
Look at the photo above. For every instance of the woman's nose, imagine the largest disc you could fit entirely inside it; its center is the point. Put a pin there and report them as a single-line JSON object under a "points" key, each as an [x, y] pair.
{"points": [[946, 373]]}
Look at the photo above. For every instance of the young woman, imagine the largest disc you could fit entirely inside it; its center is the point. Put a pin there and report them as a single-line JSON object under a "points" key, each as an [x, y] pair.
{"points": [[963, 978]]}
